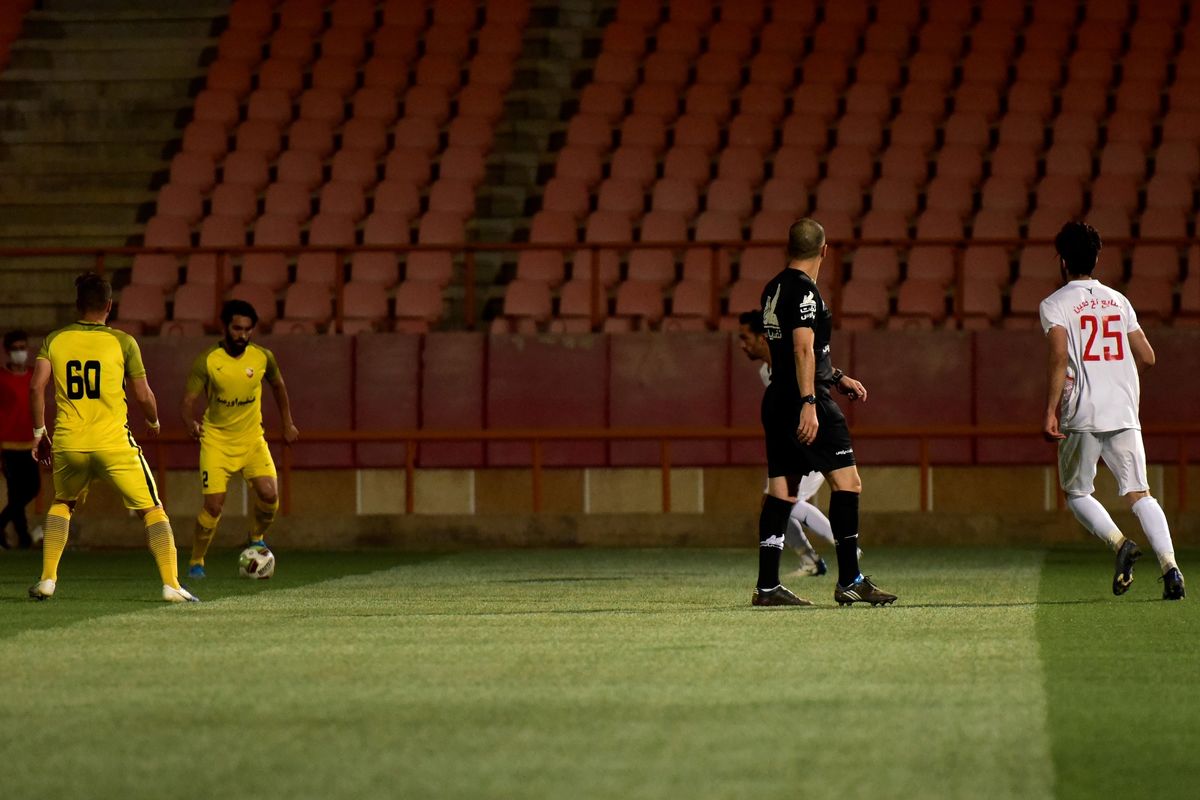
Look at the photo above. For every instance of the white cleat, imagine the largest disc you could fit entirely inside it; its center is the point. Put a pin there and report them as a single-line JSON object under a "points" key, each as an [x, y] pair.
{"points": [[42, 590], [180, 595]]}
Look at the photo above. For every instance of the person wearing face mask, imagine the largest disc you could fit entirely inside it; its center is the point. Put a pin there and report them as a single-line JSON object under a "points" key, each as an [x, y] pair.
{"points": [[21, 473]]}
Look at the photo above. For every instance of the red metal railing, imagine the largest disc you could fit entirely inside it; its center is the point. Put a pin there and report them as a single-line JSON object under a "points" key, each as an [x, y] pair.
{"points": [[664, 436], [469, 252]]}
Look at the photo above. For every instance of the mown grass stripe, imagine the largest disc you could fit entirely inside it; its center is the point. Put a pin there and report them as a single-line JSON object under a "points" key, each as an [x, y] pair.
{"points": [[1122, 679]]}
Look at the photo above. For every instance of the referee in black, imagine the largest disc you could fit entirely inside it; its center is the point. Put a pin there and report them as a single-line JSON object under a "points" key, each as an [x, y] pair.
{"points": [[804, 428]]}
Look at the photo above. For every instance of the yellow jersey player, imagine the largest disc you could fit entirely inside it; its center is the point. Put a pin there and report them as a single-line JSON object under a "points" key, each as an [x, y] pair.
{"points": [[231, 374], [91, 363]]}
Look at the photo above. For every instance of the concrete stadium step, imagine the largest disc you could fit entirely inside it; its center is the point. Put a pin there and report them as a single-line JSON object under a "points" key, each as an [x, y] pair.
{"points": [[165, 58], [68, 235], [94, 197], [90, 93], [123, 21], [552, 56], [28, 187], [20, 215], [98, 153], [86, 127]]}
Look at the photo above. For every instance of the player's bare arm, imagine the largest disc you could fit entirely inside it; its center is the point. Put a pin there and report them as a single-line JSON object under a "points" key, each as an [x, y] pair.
{"points": [[1143, 353], [42, 451], [187, 408], [806, 364], [1056, 375], [290, 432], [144, 396], [850, 387]]}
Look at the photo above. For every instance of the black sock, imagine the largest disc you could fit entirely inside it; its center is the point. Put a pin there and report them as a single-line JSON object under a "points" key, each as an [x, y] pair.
{"points": [[843, 518], [772, 526]]}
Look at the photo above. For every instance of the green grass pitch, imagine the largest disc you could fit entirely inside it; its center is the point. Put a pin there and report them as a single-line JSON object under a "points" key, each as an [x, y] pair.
{"points": [[598, 674]]}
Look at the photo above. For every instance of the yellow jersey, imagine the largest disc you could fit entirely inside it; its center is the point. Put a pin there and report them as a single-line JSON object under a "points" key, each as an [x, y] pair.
{"points": [[234, 390], [90, 363]]}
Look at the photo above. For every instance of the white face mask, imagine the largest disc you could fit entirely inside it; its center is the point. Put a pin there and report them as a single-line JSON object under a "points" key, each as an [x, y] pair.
{"points": [[19, 357]]}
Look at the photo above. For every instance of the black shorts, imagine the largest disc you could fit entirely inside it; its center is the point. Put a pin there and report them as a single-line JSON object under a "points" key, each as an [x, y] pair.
{"points": [[832, 449]]}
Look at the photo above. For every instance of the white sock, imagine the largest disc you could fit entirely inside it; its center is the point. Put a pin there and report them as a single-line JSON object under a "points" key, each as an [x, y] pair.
{"points": [[1092, 516], [795, 537], [1154, 523], [811, 517]]}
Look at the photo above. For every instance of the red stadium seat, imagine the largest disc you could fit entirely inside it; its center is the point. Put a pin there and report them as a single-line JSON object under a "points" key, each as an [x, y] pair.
{"points": [[419, 301], [175, 200], [259, 136], [386, 227], [375, 269], [939, 224], [235, 201], [1155, 262], [864, 305], [208, 139], [216, 105], [980, 304], [246, 168], [876, 265], [1152, 298], [987, 263], [932, 264], [167, 232], [159, 271]]}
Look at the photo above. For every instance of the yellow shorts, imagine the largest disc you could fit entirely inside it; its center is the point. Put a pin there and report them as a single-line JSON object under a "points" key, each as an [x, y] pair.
{"points": [[220, 461], [125, 470]]}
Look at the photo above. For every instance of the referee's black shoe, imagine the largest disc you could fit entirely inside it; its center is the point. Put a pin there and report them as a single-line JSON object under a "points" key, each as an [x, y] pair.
{"points": [[1172, 584], [1123, 571], [779, 596], [862, 591]]}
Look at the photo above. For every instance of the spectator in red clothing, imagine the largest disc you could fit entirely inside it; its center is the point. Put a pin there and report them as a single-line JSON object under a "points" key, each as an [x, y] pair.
{"points": [[16, 438]]}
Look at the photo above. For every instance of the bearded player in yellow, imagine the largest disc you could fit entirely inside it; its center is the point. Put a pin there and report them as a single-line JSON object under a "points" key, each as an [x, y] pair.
{"points": [[91, 363], [230, 374]]}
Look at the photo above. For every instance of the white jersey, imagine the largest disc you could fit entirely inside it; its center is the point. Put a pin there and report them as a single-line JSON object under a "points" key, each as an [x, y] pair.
{"points": [[1102, 391]]}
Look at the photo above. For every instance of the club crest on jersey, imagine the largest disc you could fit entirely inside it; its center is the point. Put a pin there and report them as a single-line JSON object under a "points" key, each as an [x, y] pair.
{"points": [[770, 319], [249, 372], [808, 307]]}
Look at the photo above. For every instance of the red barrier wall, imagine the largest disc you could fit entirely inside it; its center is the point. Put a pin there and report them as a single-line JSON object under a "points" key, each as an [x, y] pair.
{"points": [[452, 388], [745, 404], [471, 381], [547, 381], [387, 392], [912, 378], [1010, 380], [680, 379]]}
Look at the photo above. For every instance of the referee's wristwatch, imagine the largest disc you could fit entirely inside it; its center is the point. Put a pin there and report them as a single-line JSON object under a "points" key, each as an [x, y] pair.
{"points": [[811, 399]]}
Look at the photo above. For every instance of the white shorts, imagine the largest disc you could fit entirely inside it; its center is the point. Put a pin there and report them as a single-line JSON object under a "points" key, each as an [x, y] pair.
{"points": [[1122, 451], [809, 485]]}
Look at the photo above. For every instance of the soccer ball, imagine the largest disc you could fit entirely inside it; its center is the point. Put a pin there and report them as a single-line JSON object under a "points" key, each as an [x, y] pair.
{"points": [[257, 563]]}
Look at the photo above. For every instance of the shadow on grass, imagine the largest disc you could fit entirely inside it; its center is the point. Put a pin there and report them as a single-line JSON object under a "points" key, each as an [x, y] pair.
{"points": [[104, 583]]}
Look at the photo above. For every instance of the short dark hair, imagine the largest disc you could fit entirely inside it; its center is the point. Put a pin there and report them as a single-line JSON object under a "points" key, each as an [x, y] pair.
{"points": [[238, 308], [1078, 244], [806, 237], [92, 292], [12, 337], [752, 320]]}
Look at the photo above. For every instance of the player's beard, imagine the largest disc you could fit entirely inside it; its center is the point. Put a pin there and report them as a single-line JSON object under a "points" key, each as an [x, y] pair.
{"points": [[235, 348]]}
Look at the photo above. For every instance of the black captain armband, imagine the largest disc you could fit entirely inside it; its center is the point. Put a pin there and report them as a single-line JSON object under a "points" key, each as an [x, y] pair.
{"points": [[838, 374]]}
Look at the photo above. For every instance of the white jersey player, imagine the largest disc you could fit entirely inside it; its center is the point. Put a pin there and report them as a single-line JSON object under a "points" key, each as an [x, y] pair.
{"points": [[804, 514], [1097, 349]]}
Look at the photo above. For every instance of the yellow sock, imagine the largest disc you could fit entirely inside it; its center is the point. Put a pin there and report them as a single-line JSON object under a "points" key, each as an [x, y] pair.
{"points": [[206, 529], [162, 545], [55, 530], [264, 515]]}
